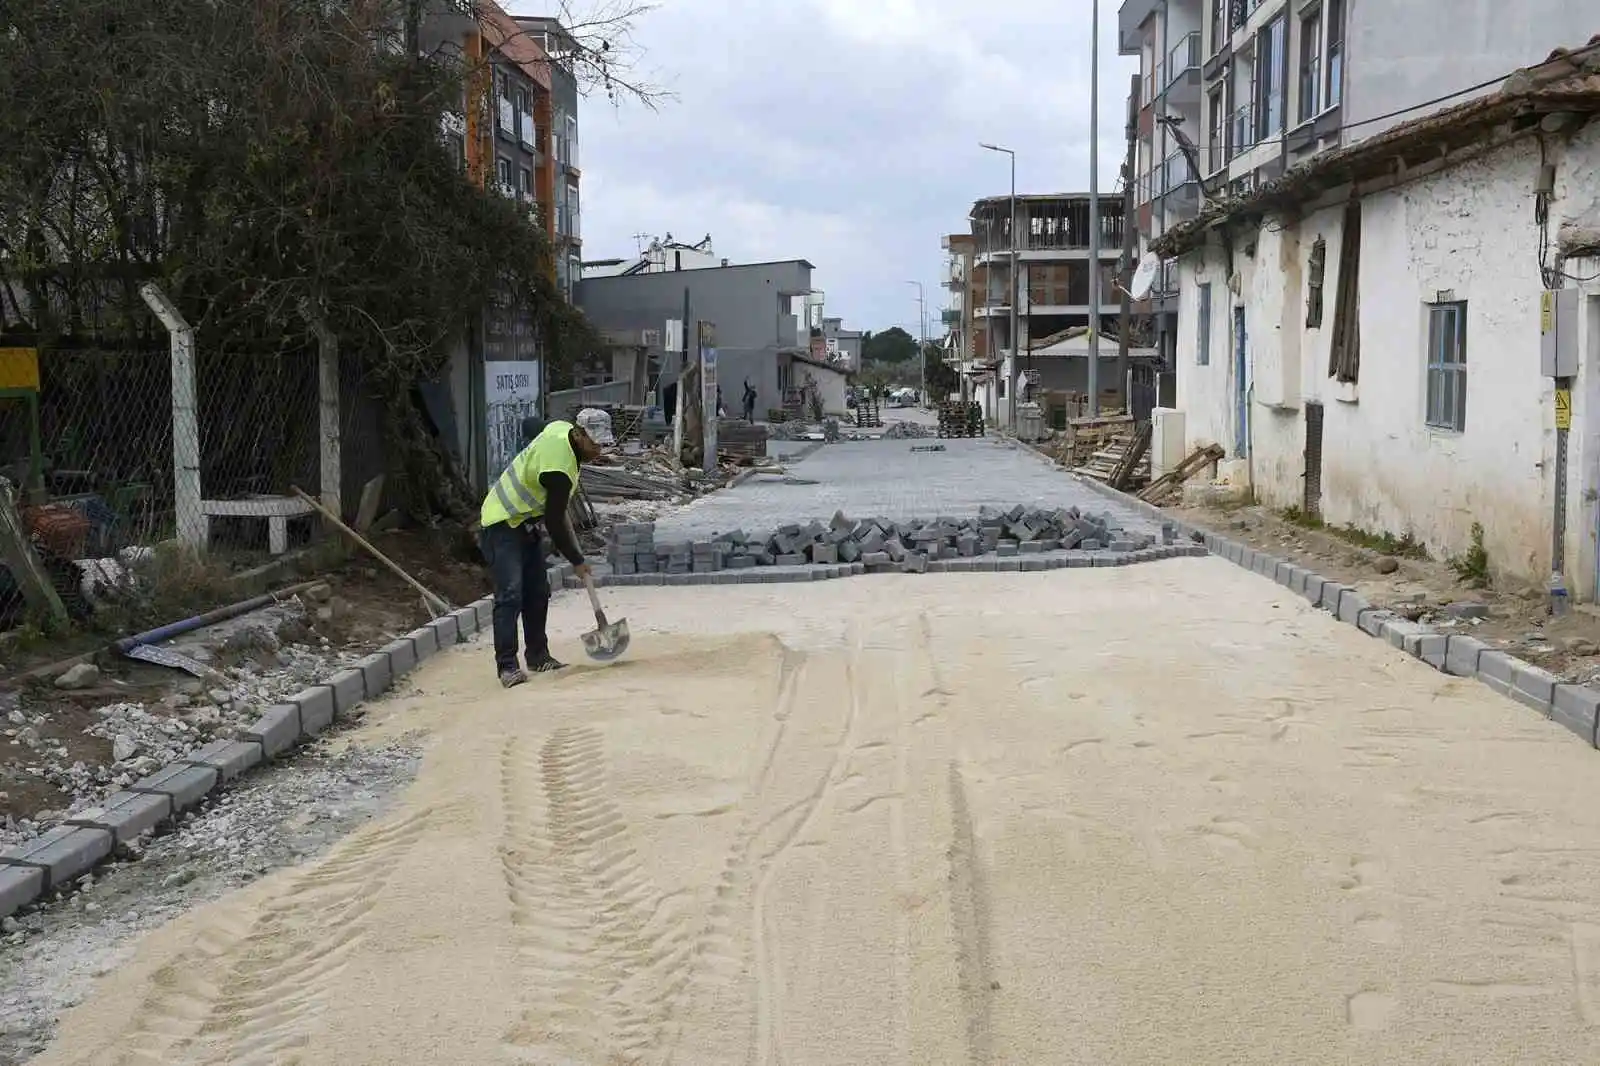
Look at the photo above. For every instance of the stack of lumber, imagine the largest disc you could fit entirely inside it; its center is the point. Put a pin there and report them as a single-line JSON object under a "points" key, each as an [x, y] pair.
{"points": [[741, 443], [1118, 458]]}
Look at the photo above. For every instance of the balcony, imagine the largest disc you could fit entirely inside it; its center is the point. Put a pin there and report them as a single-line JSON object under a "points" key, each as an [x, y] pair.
{"points": [[950, 316], [1241, 131], [1182, 82], [506, 117]]}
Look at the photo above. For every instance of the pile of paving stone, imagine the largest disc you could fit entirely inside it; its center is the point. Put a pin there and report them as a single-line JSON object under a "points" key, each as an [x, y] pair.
{"points": [[879, 544], [907, 430]]}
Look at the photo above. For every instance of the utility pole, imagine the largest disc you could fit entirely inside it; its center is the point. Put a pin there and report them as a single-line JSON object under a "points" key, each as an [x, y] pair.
{"points": [[1015, 287], [922, 345], [1130, 242], [1094, 212]]}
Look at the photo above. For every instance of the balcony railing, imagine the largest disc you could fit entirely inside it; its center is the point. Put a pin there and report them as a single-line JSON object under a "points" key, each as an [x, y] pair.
{"points": [[508, 117], [527, 132], [1241, 131], [1183, 58]]}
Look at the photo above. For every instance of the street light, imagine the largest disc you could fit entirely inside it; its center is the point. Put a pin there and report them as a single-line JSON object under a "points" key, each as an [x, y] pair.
{"points": [[1094, 213], [1011, 370], [922, 347]]}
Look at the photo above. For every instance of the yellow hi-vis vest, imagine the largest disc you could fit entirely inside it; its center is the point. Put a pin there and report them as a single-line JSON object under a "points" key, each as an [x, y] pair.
{"points": [[517, 496]]}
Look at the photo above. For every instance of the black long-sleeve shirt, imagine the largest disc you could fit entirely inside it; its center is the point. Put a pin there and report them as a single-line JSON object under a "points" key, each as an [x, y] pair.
{"points": [[557, 521]]}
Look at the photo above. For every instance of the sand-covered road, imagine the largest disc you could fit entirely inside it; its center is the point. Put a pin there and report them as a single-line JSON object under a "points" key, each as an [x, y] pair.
{"points": [[1161, 814]]}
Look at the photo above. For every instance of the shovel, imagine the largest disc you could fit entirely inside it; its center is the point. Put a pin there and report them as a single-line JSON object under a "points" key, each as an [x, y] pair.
{"points": [[609, 639]]}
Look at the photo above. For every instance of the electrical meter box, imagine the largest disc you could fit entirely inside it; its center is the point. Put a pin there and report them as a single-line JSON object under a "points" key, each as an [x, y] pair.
{"points": [[1558, 333]]}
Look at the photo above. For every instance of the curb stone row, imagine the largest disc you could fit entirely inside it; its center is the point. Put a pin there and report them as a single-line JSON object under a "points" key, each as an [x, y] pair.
{"points": [[1575, 707], [53, 860]]}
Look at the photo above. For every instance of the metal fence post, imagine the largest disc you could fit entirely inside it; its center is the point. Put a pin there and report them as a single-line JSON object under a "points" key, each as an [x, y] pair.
{"points": [[193, 526]]}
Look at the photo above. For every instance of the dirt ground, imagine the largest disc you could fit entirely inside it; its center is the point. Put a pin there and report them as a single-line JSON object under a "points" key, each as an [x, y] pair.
{"points": [[361, 607], [903, 820], [1518, 620]]}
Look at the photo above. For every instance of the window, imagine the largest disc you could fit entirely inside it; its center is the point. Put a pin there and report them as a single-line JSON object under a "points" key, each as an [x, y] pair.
{"points": [[503, 172], [1219, 25], [1447, 366], [572, 141], [457, 145], [1310, 66], [524, 102], [574, 226], [1335, 94], [1202, 348], [1216, 131], [1269, 70], [525, 186]]}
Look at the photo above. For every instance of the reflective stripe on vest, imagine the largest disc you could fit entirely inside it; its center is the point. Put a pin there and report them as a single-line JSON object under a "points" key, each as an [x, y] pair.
{"points": [[517, 494]]}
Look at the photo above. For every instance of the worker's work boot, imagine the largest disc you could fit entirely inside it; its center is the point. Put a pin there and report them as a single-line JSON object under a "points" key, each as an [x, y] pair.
{"points": [[512, 678], [544, 664]]}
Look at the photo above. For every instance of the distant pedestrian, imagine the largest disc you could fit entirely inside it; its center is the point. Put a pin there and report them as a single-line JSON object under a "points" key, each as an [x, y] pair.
{"points": [[749, 401], [722, 409]]}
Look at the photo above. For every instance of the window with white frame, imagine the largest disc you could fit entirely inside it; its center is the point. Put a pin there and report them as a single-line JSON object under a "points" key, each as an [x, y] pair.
{"points": [[1310, 82], [1202, 347], [1335, 33], [1447, 366], [572, 141], [1269, 71]]}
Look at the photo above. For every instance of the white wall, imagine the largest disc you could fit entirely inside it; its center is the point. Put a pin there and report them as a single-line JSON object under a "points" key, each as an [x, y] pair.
{"points": [[1469, 231]]}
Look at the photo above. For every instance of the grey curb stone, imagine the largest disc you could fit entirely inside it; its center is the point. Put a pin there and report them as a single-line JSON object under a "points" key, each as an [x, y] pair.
{"points": [[1532, 686], [19, 886], [1351, 606], [1371, 621], [62, 854], [484, 608], [425, 639], [1431, 648], [1575, 707], [1332, 593], [184, 784], [376, 674], [1461, 656], [229, 758], [127, 815], [402, 655], [316, 709], [466, 621], [349, 688], [445, 631], [277, 730], [1495, 670], [1396, 631]]}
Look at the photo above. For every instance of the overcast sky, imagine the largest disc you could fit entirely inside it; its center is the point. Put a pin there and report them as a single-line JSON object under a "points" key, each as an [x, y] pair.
{"points": [[846, 132]]}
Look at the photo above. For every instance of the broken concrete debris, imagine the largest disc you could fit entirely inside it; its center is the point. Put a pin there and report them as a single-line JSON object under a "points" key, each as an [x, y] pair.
{"points": [[879, 544]]}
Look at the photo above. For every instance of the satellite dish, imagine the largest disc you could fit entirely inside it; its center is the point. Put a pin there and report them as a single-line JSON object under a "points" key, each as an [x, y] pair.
{"points": [[1144, 276]]}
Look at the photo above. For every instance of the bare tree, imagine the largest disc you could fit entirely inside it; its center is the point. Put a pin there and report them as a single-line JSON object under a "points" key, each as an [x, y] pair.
{"points": [[601, 51]]}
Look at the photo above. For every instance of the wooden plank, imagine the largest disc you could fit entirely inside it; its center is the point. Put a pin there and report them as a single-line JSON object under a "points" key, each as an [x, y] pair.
{"points": [[26, 570]]}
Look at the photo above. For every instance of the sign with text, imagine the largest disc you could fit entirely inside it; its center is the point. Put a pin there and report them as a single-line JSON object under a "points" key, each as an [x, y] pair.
{"points": [[511, 394]]}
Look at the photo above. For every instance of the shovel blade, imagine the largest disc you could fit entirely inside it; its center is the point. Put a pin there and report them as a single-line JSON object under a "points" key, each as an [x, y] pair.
{"points": [[607, 642]]}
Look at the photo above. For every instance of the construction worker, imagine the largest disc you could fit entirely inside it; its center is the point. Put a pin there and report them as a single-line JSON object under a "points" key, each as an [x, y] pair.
{"points": [[536, 487]]}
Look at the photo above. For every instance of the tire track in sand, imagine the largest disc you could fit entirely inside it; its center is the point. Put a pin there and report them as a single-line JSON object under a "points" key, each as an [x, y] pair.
{"points": [[608, 954], [257, 985], [768, 1035], [969, 908]]}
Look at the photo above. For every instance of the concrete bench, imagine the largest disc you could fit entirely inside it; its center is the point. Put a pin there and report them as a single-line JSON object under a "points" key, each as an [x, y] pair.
{"points": [[277, 510]]}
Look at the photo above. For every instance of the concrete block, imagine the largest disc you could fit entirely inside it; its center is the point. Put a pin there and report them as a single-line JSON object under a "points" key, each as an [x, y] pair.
{"points": [[1371, 621], [1332, 593], [1394, 630], [349, 689], [484, 609], [184, 784], [1283, 573], [277, 730], [467, 621], [229, 758], [1265, 565], [1431, 649], [1575, 707], [316, 709], [1011, 565], [376, 675], [915, 563], [1032, 563], [426, 640], [402, 655], [1007, 548], [1247, 557], [62, 854], [1532, 686], [19, 886], [825, 554], [1461, 656], [127, 815], [1494, 670], [1032, 547], [444, 631], [1351, 605]]}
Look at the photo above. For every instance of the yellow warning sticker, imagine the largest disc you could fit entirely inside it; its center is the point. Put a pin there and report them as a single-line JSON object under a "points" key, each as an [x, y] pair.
{"points": [[1563, 408]]}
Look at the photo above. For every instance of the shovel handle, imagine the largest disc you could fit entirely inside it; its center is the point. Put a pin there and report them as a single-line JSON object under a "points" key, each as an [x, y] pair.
{"points": [[594, 600]]}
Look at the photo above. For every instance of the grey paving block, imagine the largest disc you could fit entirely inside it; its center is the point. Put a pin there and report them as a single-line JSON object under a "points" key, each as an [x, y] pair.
{"points": [[1371, 621], [376, 675], [1532, 686], [1332, 593], [484, 609], [62, 854], [19, 886], [1575, 706], [445, 631], [349, 688], [127, 815], [1351, 605], [1461, 656], [316, 709], [1247, 557], [277, 730], [184, 784], [1312, 589], [1010, 565], [402, 655], [1395, 630], [229, 758], [1495, 670], [466, 621], [1431, 649], [426, 640]]}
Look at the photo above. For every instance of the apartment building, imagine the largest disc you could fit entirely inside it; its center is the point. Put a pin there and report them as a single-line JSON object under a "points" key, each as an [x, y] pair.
{"points": [[566, 213], [1052, 270], [960, 249]]}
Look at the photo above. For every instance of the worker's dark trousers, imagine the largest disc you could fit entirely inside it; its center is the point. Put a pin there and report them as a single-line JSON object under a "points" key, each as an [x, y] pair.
{"points": [[521, 587]]}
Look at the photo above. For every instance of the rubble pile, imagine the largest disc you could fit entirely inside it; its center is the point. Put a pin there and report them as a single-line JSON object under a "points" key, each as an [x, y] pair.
{"points": [[878, 543], [907, 431]]}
